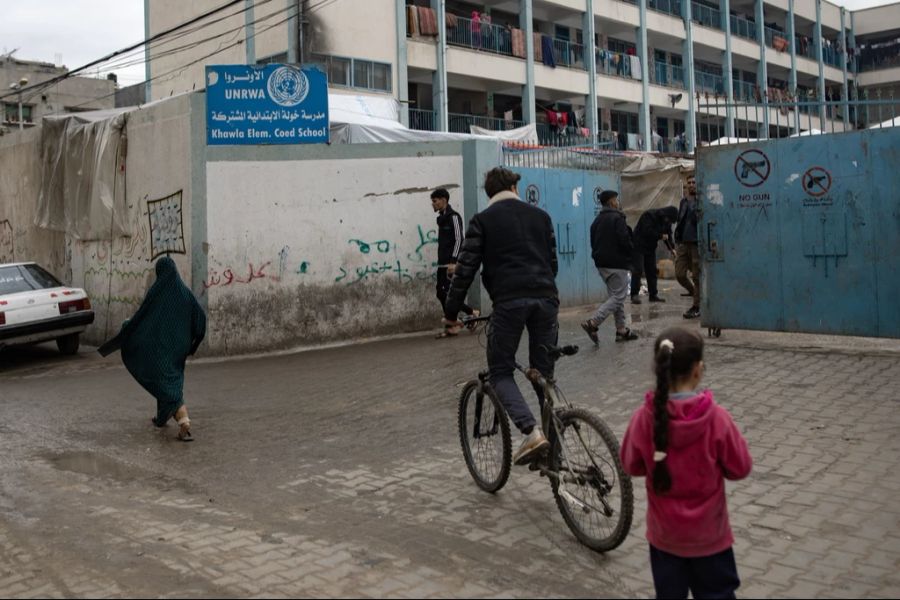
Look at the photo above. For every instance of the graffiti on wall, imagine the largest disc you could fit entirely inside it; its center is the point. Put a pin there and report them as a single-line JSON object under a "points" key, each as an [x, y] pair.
{"points": [[7, 242], [166, 226]]}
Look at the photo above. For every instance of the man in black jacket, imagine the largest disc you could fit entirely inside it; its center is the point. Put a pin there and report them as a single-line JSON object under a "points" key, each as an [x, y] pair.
{"points": [[613, 250], [687, 256], [450, 238], [654, 225], [515, 245]]}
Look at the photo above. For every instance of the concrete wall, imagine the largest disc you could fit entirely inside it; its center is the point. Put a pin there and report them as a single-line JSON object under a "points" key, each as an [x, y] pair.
{"points": [[876, 20], [116, 273], [314, 244], [20, 182]]}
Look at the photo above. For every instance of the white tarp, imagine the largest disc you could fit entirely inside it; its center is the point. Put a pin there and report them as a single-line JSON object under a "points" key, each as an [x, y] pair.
{"points": [[808, 132], [652, 181], [895, 122], [526, 135], [723, 141]]}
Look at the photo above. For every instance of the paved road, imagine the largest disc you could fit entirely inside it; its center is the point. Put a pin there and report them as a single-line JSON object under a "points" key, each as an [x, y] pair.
{"points": [[338, 472]]}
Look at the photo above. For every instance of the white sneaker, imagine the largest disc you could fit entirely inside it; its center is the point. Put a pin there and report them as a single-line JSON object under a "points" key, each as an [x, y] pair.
{"points": [[531, 447]]}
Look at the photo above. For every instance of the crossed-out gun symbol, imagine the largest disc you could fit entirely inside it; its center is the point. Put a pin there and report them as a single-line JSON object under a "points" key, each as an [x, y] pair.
{"points": [[815, 180], [745, 171]]}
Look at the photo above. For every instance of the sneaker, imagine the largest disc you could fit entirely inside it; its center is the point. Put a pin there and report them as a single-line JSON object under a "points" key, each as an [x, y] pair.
{"points": [[657, 299], [591, 329], [531, 448], [628, 336], [692, 313], [635, 300]]}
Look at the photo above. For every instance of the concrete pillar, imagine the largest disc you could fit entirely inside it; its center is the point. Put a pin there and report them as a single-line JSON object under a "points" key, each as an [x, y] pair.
{"points": [[855, 63], [148, 76], [293, 26], [644, 112], [249, 33], [402, 67], [439, 94], [526, 23], [792, 38], [590, 61], [845, 90], [820, 58], [762, 76], [725, 6], [690, 126]]}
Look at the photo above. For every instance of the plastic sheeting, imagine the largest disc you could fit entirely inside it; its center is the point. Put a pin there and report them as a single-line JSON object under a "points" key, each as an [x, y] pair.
{"points": [[525, 135], [82, 184], [652, 182]]}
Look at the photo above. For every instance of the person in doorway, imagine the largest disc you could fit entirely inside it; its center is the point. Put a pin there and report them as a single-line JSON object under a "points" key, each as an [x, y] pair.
{"points": [[654, 225], [515, 245], [687, 252], [168, 327], [450, 238], [612, 248], [686, 446]]}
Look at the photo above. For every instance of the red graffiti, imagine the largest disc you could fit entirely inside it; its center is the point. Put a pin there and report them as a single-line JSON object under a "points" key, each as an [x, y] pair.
{"points": [[228, 276]]}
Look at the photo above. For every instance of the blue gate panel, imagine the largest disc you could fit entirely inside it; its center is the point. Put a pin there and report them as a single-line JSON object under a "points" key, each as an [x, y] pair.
{"points": [[801, 234]]}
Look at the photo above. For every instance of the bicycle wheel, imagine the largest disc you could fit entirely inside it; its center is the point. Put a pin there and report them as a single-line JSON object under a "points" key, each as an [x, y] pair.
{"points": [[484, 435], [593, 492]]}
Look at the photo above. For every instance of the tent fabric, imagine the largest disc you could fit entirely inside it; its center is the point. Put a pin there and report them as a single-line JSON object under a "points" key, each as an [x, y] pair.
{"points": [[527, 134]]}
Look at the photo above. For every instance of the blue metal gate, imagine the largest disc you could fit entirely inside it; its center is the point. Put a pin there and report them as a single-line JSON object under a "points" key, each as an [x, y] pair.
{"points": [[571, 197], [802, 234]]}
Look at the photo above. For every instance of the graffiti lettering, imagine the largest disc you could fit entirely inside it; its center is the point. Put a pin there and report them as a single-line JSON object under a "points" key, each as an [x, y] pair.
{"points": [[382, 246], [7, 242], [228, 277], [426, 238], [166, 229]]}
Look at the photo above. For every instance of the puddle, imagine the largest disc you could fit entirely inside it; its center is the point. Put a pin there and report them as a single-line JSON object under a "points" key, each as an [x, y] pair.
{"points": [[92, 464]]}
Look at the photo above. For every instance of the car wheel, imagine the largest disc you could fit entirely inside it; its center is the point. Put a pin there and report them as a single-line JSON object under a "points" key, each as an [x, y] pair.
{"points": [[68, 344]]}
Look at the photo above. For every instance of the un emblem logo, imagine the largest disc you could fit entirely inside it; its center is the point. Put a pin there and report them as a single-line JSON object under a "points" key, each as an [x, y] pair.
{"points": [[288, 86]]}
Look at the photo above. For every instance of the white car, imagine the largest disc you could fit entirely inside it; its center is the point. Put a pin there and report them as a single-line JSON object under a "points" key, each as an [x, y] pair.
{"points": [[36, 307]]}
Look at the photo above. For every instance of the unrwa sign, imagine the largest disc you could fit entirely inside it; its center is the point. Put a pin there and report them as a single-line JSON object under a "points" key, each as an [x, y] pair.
{"points": [[271, 104]]}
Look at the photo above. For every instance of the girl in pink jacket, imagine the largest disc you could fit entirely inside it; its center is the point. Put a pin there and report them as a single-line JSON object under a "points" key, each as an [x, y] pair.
{"points": [[686, 445]]}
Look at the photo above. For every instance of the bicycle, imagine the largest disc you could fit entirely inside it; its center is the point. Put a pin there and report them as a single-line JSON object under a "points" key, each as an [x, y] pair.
{"points": [[588, 481]]}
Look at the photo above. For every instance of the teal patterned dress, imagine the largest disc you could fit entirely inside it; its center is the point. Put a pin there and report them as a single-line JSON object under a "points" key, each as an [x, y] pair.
{"points": [[155, 343]]}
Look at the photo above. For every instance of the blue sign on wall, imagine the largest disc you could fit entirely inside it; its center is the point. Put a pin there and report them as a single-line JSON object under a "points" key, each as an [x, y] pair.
{"points": [[271, 104]]}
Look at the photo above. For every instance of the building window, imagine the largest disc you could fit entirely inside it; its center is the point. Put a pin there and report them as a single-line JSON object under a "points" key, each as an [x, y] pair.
{"points": [[275, 58], [356, 73], [11, 113]]}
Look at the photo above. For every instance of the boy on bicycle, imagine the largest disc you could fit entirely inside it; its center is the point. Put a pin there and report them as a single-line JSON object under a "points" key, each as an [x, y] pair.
{"points": [[514, 244]]}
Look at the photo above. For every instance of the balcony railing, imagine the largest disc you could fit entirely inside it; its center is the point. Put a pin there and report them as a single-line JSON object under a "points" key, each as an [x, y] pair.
{"points": [[672, 7], [709, 82], [743, 28], [872, 62], [668, 75], [831, 56], [426, 120], [744, 91], [805, 47], [568, 54], [617, 64], [705, 15], [480, 36], [776, 39]]}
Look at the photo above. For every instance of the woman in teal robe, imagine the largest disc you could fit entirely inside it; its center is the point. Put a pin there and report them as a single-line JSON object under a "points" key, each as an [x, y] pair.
{"points": [[155, 343]]}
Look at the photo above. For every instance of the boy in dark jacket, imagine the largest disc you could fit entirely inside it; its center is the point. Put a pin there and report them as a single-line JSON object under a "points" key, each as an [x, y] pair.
{"points": [[654, 225], [450, 238], [514, 244], [613, 250]]}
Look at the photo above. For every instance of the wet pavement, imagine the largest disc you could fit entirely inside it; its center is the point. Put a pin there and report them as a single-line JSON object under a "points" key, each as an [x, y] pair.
{"points": [[337, 472]]}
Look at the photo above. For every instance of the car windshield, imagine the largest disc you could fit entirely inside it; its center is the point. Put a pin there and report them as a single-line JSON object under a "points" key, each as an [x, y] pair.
{"points": [[26, 278]]}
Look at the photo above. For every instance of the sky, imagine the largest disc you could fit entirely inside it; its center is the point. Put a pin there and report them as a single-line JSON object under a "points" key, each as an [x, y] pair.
{"points": [[81, 31]]}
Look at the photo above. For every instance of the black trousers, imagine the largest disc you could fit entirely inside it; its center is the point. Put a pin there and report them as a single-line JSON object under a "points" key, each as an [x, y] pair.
{"points": [[706, 577], [644, 264], [443, 288]]}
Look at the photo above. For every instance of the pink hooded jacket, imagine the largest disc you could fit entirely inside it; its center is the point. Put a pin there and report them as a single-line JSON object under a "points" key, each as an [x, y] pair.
{"points": [[705, 448]]}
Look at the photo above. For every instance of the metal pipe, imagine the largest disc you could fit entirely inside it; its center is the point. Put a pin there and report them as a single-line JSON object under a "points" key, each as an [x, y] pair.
{"points": [[644, 121], [729, 76], [763, 73], [526, 23], [820, 57], [691, 125], [792, 37], [590, 59]]}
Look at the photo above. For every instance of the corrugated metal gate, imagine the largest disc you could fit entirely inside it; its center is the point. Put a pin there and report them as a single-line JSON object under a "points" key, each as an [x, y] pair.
{"points": [[571, 197], [802, 234]]}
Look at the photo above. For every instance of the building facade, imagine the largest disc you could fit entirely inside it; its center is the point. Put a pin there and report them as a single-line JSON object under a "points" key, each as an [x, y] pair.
{"points": [[642, 73], [75, 94]]}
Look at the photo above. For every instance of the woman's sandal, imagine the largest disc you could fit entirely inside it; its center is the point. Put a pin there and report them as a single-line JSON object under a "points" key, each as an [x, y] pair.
{"points": [[184, 431]]}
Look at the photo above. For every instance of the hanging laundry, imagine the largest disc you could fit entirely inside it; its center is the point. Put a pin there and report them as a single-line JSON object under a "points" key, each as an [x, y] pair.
{"points": [[538, 51], [779, 43], [549, 57], [636, 67], [452, 20], [412, 21], [427, 21], [518, 43]]}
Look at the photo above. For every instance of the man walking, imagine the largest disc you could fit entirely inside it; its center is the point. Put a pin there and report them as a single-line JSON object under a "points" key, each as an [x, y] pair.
{"points": [[514, 244], [654, 225], [687, 256], [450, 238], [612, 248]]}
